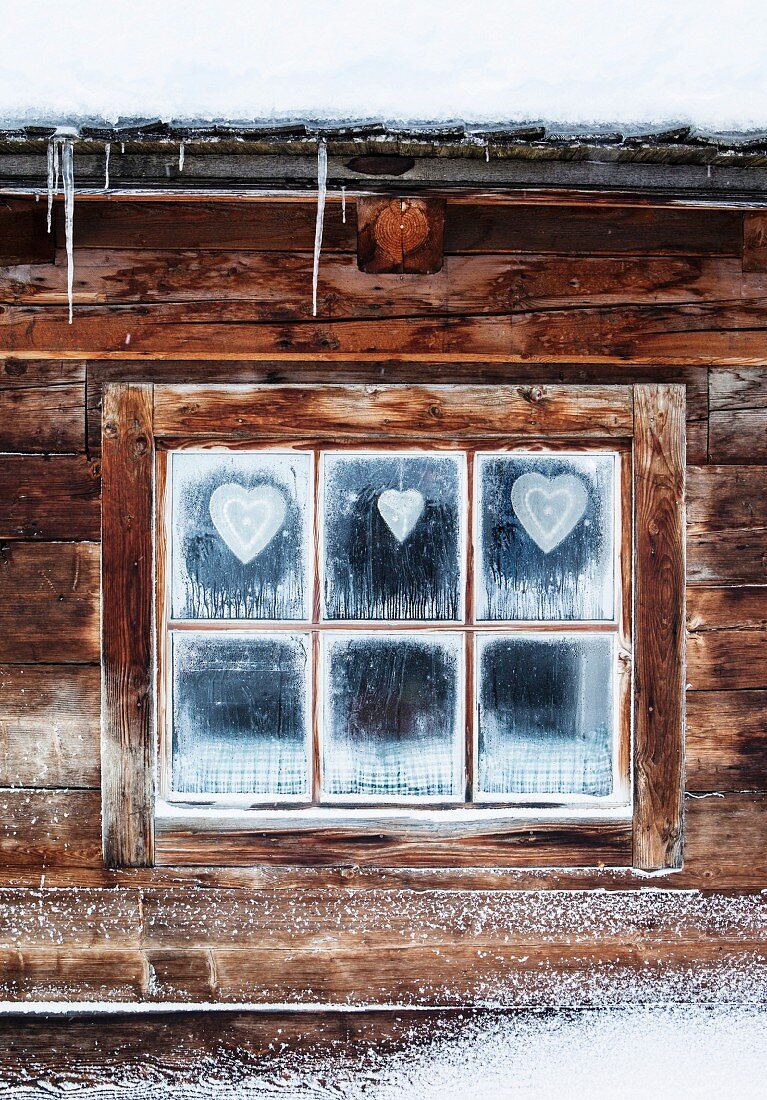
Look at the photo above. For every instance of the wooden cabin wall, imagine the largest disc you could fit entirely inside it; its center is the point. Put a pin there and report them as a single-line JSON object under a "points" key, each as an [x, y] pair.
{"points": [[200, 290]]}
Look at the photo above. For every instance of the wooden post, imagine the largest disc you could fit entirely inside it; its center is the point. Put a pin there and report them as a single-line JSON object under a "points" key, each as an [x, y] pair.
{"points": [[659, 457], [127, 735]]}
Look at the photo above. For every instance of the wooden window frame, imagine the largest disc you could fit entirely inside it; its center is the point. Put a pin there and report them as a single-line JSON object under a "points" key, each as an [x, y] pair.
{"points": [[140, 419]]}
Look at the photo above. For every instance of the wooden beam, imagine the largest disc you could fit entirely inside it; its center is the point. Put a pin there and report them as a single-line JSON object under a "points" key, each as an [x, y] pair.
{"points": [[127, 740], [400, 236], [659, 459], [51, 497], [442, 412], [755, 241], [24, 236]]}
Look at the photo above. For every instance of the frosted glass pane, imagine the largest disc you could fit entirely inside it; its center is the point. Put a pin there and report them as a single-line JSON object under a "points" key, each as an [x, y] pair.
{"points": [[240, 713], [545, 715], [240, 534], [392, 532], [546, 537], [392, 716]]}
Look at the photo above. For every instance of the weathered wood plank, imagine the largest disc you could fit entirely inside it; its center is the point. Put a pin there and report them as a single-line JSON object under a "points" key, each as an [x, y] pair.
{"points": [[518, 228], [127, 743], [400, 236], [71, 918], [24, 237], [755, 241], [263, 225], [191, 918], [517, 844], [42, 830], [726, 740], [37, 840], [49, 602], [277, 285], [72, 974], [25, 373], [387, 372], [42, 418], [444, 412], [701, 333], [726, 525], [727, 608], [659, 548], [49, 726], [276, 226], [738, 436], [739, 388], [49, 498], [720, 660]]}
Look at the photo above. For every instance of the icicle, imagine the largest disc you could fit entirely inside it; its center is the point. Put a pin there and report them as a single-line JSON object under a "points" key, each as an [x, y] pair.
{"points": [[107, 149], [343, 204], [122, 146], [322, 184], [68, 178], [52, 153], [181, 157], [487, 153]]}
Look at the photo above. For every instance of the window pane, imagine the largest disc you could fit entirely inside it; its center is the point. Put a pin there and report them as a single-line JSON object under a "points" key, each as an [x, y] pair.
{"points": [[240, 712], [545, 715], [392, 536], [546, 536], [240, 535], [392, 716]]}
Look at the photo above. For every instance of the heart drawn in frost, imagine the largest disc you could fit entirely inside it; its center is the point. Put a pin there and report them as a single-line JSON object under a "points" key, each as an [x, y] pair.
{"points": [[247, 519], [548, 509], [400, 510]]}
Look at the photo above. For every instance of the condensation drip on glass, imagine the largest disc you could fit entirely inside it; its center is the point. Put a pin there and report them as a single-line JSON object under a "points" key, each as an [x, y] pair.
{"points": [[322, 183]]}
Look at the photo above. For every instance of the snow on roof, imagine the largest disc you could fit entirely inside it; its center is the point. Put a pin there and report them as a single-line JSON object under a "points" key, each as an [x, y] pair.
{"points": [[693, 62]]}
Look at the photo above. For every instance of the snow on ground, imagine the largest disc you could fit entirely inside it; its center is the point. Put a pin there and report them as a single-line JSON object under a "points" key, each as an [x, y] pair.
{"points": [[629, 1054], [639, 60]]}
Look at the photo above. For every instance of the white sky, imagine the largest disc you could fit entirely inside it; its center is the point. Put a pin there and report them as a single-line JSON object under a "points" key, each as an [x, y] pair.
{"points": [[626, 61]]}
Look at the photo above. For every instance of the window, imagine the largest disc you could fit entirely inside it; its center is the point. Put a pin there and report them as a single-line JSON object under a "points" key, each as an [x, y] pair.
{"points": [[394, 625]]}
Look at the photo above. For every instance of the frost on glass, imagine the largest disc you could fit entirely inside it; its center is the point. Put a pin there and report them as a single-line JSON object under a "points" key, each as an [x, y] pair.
{"points": [[392, 531], [239, 535], [240, 714], [545, 715], [545, 537], [392, 716]]}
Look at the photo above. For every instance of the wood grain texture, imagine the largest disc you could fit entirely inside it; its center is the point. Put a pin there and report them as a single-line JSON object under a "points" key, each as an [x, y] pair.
{"points": [[45, 418], [400, 236], [276, 372], [727, 660], [127, 742], [726, 525], [49, 726], [755, 241], [49, 602], [659, 540], [24, 237], [494, 227], [741, 608], [444, 412], [512, 845], [703, 333], [27, 373], [738, 435], [42, 830], [519, 228], [49, 498], [277, 285], [726, 740], [738, 388]]}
